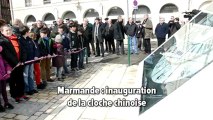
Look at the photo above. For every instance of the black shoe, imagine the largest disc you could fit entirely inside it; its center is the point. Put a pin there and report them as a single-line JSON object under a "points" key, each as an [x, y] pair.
{"points": [[35, 91], [8, 106], [63, 77], [60, 79], [97, 55], [50, 80], [41, 86], [2, 109], [45, 83], [30, 93]]}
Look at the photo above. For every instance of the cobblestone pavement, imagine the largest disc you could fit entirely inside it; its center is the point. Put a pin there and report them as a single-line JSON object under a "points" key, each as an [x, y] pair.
{"points": [[100, 72]]}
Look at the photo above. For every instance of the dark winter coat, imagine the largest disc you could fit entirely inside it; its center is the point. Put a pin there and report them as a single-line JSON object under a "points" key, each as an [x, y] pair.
{"points": [[74, 40], [45, 50], [87, 34], [59, 60], [9, 53], [30, 48], [65, 41], [109, 31], [173, 27], [100, 33], [161, 30], [119, 31], [140, 31], [131, 29]]}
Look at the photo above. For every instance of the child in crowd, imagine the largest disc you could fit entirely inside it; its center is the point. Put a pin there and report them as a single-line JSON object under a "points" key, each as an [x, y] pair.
{"points": [[5, 70], [75, 46], [58, 61], [37, 69], [46, 50], [15, 55], [32, 54], [66, 46]]}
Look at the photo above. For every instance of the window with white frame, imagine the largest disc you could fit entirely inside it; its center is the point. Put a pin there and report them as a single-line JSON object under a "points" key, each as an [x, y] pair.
{"points": [[28, 3]]}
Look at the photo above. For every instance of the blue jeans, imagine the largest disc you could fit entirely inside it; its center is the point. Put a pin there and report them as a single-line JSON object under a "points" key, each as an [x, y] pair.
{"points": [[29, 78], [133, 44], [81, 59], [58, 72]]}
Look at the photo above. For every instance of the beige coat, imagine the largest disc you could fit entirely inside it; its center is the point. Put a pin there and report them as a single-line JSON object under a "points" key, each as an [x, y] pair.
{"points": [[148, 29]]}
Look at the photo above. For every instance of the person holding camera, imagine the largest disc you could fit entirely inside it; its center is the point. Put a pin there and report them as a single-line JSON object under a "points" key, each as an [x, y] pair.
{"points": [[174, 26]]}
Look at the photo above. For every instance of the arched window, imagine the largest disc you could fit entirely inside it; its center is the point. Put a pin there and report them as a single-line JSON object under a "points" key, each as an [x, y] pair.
{"points": [[30, 19], [91, 13], [69, 14], [115, 11], [169, 8], [49, 17], [142, 9], [204, 5]]}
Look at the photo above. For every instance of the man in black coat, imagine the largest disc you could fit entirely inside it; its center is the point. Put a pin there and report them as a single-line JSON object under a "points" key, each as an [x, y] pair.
{"points": [[87, 34], [109, 36], [98, 37], [131, 29], [119, 35], [174, 26]]}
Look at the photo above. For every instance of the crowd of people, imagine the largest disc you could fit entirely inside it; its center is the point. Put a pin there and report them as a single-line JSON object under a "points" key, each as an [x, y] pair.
{"points": [[27, 54]]}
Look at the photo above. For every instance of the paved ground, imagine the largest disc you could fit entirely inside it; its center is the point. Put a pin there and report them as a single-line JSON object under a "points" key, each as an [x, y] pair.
{"points": [[111, 71]]}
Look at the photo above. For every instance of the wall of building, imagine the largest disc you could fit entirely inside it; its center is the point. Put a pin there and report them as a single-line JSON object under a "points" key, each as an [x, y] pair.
{"points": [[59, 7]]}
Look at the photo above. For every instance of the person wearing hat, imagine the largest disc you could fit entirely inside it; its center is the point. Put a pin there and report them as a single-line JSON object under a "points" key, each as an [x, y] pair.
{"points": [[98, 37], [58, 61]]}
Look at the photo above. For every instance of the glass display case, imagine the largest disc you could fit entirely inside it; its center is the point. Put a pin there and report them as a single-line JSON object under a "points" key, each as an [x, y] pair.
{"points": [[176, 61]]}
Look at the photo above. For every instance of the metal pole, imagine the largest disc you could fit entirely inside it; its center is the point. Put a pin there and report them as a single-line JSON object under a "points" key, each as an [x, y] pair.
{"points": [[129, 62], [85, 54], [129, 57], [135, 14]]}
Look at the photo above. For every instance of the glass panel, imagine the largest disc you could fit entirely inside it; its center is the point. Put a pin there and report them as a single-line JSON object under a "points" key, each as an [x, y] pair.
{"points": [[115, 11], [142, 9], [91, 13], [186, 53], [28, 3], [31, 19], [69, 14], [47, 1], [49, 17], [169, 8]]}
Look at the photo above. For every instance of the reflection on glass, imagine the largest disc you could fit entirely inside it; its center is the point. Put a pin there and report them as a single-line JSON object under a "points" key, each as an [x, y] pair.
{"points": [[178, 59]]}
